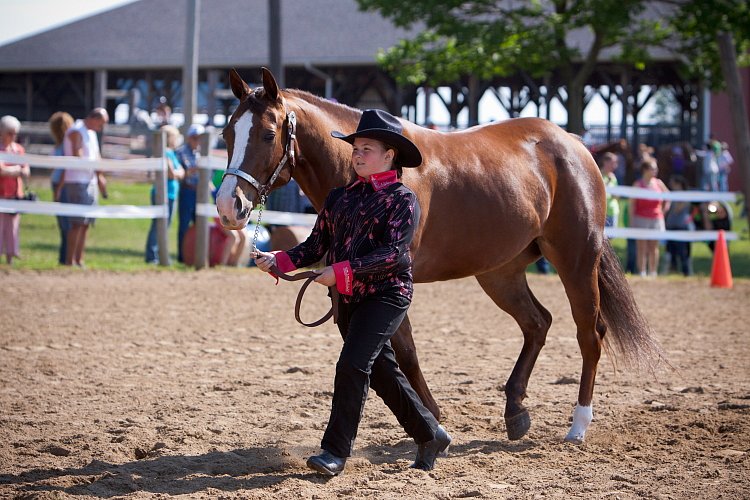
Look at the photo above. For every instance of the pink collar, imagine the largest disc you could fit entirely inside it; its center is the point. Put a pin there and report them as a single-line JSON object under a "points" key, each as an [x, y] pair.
{"points": [[380, 180]]}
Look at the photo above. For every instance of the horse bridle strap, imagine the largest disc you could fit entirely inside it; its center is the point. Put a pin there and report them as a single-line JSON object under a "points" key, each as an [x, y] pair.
{"points": [[310, 276], [291, 119]]}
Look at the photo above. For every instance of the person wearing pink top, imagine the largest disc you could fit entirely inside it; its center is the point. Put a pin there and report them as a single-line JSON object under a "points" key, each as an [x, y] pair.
{"points": [[648, 214], [11, 186]]}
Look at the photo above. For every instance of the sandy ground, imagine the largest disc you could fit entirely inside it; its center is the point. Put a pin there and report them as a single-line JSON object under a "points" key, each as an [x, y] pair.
{"points": [[201, 385]]}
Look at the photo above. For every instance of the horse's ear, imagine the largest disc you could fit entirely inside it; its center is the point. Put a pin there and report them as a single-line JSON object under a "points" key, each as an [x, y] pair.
{"points": [[270, 85], [240, 89]]}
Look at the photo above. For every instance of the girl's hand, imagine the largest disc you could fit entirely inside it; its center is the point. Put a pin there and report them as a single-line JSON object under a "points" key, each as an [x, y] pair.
{"points": [[265, 261], [327, 276]]}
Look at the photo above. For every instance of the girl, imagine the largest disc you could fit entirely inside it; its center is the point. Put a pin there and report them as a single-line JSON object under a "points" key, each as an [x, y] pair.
{"points": [[648, 214], [366, 227], [175, 173], [11, 186]]}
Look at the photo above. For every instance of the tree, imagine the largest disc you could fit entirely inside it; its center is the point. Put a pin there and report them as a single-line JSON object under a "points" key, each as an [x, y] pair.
{"points": [[498, 38], [697, 24]]}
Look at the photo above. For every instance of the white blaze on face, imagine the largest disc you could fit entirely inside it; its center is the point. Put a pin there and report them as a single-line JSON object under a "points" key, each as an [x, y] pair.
{"points": [[241, 138], [225, 196]]}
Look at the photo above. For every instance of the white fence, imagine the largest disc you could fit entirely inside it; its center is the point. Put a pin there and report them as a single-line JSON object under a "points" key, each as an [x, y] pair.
{"points": [[206, 210], [633, 233]]}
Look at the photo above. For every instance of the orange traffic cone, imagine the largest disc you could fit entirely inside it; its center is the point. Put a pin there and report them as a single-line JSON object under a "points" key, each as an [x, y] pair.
{"points": [[721, 271]]}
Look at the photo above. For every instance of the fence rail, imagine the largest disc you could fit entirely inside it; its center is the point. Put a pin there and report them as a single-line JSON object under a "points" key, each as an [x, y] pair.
{"points": [[206, 211]]}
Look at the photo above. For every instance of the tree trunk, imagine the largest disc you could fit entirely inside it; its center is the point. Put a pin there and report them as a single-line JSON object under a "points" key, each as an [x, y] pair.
{"points": [[574, 107]]}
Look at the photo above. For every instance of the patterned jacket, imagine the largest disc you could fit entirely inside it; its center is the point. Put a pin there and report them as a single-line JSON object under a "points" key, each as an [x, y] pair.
{"points": [[366, 228]]}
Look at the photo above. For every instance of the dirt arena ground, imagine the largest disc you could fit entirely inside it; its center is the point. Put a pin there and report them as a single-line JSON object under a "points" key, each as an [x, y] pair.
{"points": [[201, 385]]}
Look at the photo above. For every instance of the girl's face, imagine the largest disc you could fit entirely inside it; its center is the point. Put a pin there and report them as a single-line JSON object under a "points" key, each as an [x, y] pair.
{"points": [[371, 156], [8, 136]]}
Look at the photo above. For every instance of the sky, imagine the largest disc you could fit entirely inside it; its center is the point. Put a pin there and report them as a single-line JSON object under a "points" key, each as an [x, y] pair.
{"points": [[28, 17]]}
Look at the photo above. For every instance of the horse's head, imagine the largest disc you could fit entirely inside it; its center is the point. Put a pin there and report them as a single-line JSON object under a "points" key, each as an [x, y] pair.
{"points": [[260, 147]]}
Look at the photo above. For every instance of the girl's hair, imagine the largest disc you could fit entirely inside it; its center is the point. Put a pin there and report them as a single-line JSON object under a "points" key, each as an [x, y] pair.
{"points": [[396, 164], [59, 123], [173, 136], [8, 123], [647, 164]]}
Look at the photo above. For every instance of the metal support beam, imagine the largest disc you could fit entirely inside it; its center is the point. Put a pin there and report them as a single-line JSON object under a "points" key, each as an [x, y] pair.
{"points": [[100, 88], [274, 41], [190, 65]]}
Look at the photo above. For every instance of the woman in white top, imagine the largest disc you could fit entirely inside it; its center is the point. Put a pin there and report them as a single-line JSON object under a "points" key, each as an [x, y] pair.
{"points": [[80, 186]]}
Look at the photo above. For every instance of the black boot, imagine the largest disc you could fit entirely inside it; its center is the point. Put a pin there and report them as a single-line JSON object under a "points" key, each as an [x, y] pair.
{"points": [[327, 463], [427, 452]]}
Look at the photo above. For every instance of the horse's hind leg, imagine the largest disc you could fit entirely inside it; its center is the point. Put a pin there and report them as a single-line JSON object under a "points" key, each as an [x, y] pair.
{"points": [[577, 268], [406, 356], [511, 292]]}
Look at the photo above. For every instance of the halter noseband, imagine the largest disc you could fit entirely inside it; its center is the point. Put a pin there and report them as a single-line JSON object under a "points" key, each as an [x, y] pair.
{"points": [[264, 189]]}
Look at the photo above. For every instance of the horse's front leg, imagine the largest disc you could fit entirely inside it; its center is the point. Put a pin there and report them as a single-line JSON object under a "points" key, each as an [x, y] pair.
{"points": [[406, 355]]}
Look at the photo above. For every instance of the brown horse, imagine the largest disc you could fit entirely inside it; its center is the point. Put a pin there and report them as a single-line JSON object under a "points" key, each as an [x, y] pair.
{"points": [[509, 192]]}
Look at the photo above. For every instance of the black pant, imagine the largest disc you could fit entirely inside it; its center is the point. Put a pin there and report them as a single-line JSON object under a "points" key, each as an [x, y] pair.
{"points": [[367, 359], [679, 253]]}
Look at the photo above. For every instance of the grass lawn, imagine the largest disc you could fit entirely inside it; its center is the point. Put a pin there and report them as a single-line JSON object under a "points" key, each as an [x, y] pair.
{"points": [[114, 244], [119, 244]]}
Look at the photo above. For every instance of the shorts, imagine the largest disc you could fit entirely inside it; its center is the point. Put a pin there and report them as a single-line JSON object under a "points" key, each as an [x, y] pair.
{"points": [[647, 223], [80, 194]]}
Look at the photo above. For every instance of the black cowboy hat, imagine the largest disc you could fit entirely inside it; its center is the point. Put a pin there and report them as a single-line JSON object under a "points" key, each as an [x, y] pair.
{"points": [[380, 125]]}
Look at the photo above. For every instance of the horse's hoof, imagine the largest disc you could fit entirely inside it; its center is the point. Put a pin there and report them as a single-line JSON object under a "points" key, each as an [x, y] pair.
{"points": [[518, 425], [574, 440]]}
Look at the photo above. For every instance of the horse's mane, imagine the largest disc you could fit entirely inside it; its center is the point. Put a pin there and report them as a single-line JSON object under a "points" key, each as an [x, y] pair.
{"points": [[333, 108]]}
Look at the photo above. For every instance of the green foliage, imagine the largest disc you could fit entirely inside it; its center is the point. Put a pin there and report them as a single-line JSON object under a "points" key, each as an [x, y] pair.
{"points": [[699, 22], [487, 38]]}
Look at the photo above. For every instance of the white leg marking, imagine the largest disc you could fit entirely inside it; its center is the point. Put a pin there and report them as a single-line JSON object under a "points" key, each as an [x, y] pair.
{"points": [[241, 137], [582, 417]]}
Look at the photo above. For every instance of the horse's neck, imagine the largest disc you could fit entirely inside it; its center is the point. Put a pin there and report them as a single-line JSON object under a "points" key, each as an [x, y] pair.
{"points": [[323, 164]]}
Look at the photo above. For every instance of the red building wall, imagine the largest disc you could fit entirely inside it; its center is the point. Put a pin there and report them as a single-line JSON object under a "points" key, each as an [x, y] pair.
{"points": [[721, 123]]}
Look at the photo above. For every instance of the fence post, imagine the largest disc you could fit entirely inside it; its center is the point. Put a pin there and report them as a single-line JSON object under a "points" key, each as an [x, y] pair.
{"points": [[202, 196], [160, 197]]}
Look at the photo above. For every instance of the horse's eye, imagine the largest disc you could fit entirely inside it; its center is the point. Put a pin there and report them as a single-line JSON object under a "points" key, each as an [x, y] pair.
{"points": [[269, 137]]}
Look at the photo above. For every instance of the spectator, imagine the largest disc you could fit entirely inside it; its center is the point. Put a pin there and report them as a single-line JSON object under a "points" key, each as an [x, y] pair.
{"points": [[175, 173], [188, 154], [709, 179], [80, 186], [679, 217], [163, 113], [141, 124], [11, 186], [289, 198], [609, 165], [725, 162], [645, 153], [713, 216], [59, 123], [648, 214]]}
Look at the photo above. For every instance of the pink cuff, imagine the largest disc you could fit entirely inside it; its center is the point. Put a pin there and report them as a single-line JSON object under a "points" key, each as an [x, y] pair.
{"points": [[283, 262], [344, 277]]}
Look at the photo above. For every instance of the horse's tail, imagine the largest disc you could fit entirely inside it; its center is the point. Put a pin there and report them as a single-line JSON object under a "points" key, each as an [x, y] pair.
{"points": [[629, 337]]}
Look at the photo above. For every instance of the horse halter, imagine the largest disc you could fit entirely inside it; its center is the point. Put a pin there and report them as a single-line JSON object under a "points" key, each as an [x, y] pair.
{"points": [[264, 189]]}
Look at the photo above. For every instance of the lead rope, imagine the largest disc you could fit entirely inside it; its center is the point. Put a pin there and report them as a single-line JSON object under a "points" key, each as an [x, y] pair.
{"points": [[307, 275], [257, 224]]}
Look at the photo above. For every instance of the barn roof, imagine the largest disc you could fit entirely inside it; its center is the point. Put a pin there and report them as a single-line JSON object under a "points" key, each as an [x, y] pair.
{"points": [[151, 34]]}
